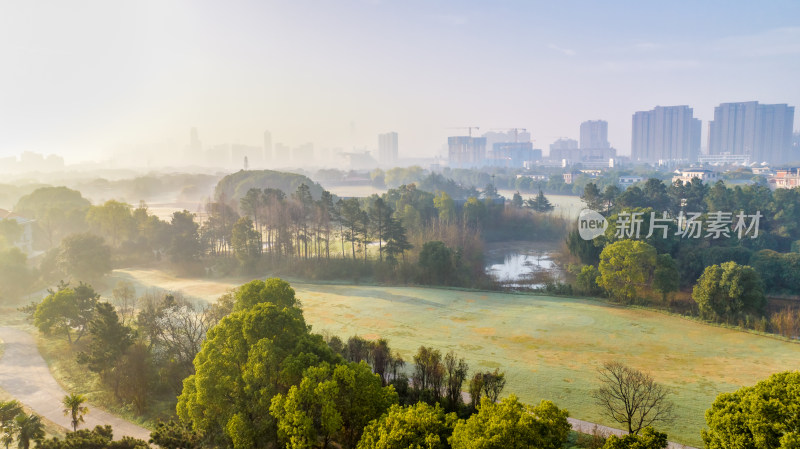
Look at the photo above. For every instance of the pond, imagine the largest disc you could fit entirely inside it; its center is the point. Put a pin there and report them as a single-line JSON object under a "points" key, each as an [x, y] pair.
{"points": [[523, 264]]}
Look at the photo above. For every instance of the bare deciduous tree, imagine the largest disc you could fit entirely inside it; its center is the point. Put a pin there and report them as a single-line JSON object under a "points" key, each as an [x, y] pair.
{"points": [[632, 397], [124, 300]]}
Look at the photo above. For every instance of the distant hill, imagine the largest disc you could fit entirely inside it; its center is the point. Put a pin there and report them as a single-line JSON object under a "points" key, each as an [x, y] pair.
{"points": [[236, 185]]}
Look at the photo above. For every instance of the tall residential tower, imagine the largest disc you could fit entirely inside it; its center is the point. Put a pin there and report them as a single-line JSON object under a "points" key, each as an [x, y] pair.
{"points": [[594, 134], [665, 134], [387, 148], [761, 131]]}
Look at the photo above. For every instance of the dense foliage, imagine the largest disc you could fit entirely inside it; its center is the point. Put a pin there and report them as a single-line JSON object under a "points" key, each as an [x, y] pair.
{"points": [[766, 415]]}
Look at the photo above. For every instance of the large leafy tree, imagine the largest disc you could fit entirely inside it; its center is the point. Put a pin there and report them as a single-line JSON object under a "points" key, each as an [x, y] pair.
{"points": [[67, 311], [248, 358], [764, 416], [729, 292], [14, 274], [625, 266], [419, 426], [184, 238], [331, 402], [436, 260], [511, 424], [58, 211], [112, 220], [84, 257], [666, 278], [274, 290]]}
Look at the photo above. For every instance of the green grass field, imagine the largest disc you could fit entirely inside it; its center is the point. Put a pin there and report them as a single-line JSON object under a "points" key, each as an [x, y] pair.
{"points": [[549, 347]]}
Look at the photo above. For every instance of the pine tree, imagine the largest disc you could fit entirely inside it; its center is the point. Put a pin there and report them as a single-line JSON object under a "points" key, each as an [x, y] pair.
{"points": [[540, 203], [396, 240]]}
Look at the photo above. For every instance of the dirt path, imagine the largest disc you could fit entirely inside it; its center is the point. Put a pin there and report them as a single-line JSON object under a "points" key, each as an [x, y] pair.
{"points": [[25, 376]]}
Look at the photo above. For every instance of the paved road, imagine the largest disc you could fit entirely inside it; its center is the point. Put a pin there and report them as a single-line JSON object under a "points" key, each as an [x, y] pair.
{"points": [[25, 376], [587, 427]]}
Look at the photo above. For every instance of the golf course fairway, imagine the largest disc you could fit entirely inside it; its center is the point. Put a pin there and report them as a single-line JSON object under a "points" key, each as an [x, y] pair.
{"points": [[549, 347]]}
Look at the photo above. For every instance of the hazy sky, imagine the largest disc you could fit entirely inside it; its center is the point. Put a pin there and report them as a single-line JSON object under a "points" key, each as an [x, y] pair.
{"points": [[85, 78]]}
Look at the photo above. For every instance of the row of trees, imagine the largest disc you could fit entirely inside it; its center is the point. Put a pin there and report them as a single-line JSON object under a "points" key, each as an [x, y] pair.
{"points": [[729, 277], [630, 269]]}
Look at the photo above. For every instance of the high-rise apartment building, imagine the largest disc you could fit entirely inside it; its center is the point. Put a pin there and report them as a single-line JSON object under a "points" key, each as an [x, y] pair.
{"points": [[761, 131], [594, 134], [513, 154], [282, 154], [564, 144], [267, 146], [303, 154], [466, 152], [194, 143], [387, 148], [664, 134]]}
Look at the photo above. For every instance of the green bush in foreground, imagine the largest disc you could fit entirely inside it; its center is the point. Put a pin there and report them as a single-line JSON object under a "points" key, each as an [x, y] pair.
{"points": [[419, 426], [511, 424], [764, 416], [648, 439]]}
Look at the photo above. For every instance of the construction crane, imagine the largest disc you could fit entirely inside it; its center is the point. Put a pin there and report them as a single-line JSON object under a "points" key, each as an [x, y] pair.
{"points": [[470, 128], [516, 132]]}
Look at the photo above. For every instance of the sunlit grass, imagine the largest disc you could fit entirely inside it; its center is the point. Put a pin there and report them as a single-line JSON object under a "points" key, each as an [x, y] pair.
{"points": [[549, 347]]}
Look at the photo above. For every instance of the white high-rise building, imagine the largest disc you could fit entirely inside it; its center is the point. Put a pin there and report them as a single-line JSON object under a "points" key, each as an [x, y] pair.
{"points": [[761, 131], [594, 134], [665, 134], [387, 148], [267, 147]]}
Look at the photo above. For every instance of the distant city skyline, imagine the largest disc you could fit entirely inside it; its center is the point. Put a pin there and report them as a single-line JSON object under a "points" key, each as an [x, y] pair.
{"points": [[126, 80]]}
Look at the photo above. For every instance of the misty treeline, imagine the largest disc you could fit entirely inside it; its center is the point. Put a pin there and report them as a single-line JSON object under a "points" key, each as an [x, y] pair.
{"points": [[682, 262], [406, 235], [394, 236], [124, 185], [461, 183]]}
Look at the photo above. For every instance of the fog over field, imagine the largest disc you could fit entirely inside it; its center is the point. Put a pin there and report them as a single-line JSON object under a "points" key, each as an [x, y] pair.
{"points": [[384, 224]]}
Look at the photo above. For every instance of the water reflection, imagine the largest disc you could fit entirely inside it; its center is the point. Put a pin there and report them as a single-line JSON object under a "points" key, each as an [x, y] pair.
{"points": [[523, 264]]}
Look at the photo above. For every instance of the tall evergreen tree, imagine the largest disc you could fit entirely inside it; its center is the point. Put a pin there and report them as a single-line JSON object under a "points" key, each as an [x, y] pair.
{"points": [[540, 203]]}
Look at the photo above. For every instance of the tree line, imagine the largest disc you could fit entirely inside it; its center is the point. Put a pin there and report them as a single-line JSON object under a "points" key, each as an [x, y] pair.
{"points": [[383, 237], [728, 277]]}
